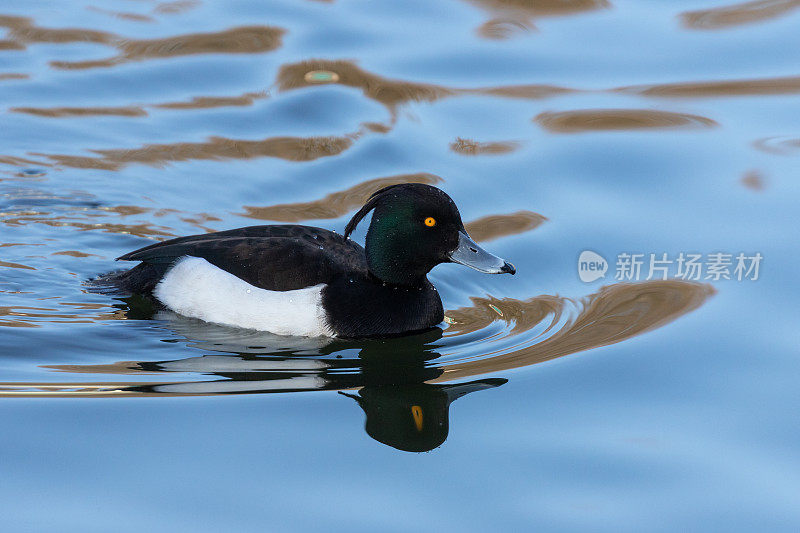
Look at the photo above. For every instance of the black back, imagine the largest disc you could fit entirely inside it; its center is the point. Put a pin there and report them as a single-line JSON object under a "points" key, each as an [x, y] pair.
{"points": [[276, 258]]}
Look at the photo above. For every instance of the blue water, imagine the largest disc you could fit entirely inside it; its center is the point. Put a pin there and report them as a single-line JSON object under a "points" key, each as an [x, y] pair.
{"points": [[644, 406]]}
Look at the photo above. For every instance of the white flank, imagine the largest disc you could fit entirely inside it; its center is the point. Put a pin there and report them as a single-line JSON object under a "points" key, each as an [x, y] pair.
{"points": [[196, 288]]}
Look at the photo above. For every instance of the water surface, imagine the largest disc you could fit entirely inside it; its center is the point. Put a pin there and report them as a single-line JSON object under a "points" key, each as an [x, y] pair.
{"points": [[542, 401]]}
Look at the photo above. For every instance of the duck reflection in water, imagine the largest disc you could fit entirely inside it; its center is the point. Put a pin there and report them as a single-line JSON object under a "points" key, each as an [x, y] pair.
{"points": [[402, 410], [413, 418], [402, 380]]}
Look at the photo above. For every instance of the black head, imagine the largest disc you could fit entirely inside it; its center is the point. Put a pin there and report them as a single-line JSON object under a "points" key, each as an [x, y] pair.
{"points": [[414, 228], [413, 418]]}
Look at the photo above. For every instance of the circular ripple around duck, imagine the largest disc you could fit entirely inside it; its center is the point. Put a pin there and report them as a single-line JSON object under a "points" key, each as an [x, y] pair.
{"points": [[491, 335], [547, 327]]}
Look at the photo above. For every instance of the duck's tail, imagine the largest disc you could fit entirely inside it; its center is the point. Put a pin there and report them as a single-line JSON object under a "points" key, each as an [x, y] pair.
{"points": [[141, 279]]}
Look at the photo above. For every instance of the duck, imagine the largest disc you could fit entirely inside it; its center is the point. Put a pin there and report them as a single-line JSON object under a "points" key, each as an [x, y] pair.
{"points": [[298, 280]]}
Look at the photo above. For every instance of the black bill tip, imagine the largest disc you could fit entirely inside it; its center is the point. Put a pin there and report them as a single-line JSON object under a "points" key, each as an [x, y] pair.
{"points": [[468, 253], [509, 268]]}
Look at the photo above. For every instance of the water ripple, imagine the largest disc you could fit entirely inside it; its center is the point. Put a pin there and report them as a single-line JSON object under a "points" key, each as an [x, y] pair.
{"points": [[513, 16], [492, 335], [737, 14], [778, 145]]}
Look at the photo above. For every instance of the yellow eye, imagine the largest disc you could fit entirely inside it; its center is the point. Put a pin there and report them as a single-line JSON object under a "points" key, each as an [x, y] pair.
{"points": [[430, 222]]}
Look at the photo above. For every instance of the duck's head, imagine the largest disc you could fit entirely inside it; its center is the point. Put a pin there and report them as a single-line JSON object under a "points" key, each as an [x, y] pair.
{"points": [[414, 228]]}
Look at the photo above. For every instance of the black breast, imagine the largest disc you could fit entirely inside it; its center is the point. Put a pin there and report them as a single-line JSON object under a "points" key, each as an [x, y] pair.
{"points": [[363, 306]]}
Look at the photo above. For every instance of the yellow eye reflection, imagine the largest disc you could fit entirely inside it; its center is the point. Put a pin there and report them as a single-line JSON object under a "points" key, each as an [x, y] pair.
{"points": [[416, 412], [430, 222]]}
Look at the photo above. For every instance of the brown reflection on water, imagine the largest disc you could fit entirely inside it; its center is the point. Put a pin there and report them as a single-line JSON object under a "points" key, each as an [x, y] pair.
{"points": [[390, 93], [135, 17], [613, 314], [512, 16], [753, 180], [10, 244], [216, 148], [529, 91], [30, 206], [523, 314], [737, 14], [778, 145], [335, 204], [197, 102], [542, 8], [339, 203], [583, 120], [705, 89], [82, 222], [78, 221], [469, 147], [241, 40], [21, 161], [207, 102], [503, 28], [23, 31], [62, 112], [8, 264], [176, 6], [5, 44], [494, 227], [75, 253]]}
